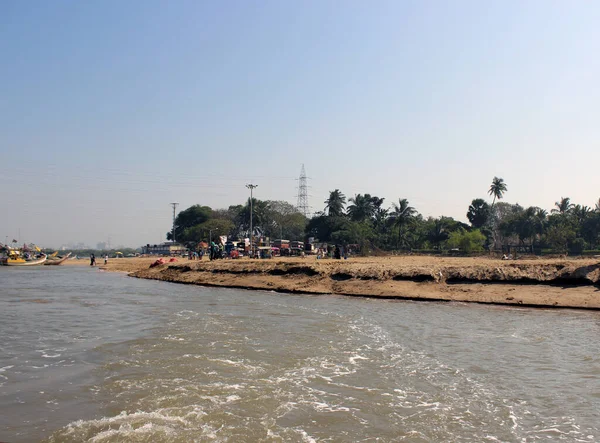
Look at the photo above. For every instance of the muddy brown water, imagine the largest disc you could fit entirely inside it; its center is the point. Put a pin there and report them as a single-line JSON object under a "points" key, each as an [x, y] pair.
{"points": [[87, 355]]}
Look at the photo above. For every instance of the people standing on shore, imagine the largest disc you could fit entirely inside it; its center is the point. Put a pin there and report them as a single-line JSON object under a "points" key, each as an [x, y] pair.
{"points": [[336, 253], [92, 260], [105, 259]]}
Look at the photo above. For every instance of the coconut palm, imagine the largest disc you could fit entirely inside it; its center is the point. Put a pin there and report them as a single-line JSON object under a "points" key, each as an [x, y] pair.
{"points": [[402, 216], [380, 218], [361, 208], [364, 207], [438, 232], [541, 215], [334, 205], [598, 205], [581, 212], [563, 206], [497, 189]]}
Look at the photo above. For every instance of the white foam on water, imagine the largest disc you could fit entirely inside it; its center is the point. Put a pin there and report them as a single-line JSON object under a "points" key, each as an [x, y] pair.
{"points": [[240, 364], [306, 437], [357, 357], [150, 426], [173, 338], [326, 407]]}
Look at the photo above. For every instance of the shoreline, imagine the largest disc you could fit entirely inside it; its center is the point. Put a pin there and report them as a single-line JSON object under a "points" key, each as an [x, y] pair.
{"points": [[541, 283]]}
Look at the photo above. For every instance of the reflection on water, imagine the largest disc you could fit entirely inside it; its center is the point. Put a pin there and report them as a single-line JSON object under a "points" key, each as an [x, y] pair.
{"points": [[86, 355]]}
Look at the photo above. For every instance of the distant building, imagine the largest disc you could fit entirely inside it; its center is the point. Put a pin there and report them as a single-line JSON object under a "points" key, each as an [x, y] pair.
{"points": [[166, 248]]}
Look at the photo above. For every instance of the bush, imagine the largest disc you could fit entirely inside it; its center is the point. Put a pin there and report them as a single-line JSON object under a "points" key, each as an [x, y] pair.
{"points": [[467, 241], [577, 246]]}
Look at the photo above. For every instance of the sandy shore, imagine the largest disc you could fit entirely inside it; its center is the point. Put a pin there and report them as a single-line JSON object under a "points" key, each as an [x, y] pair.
{"points": [[573, 283]]}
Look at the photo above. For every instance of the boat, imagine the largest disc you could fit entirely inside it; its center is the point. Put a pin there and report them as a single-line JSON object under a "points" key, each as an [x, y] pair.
{"points": [[55, 260], [22, 257], [18, 260]]}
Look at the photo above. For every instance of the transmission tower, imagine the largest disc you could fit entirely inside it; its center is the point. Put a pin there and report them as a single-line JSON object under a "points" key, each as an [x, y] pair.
{"points": [[302, 204], [174, 210]]}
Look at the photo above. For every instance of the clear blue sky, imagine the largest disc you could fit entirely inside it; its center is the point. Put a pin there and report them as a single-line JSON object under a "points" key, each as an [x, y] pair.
{"points": [[109, 110]]}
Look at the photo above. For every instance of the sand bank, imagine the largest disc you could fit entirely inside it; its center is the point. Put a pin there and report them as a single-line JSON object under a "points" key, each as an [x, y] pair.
{"points": [[573, 283]]}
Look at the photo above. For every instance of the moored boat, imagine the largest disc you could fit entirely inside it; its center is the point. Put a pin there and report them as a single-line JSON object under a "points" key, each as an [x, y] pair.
{"points": [[15, 257], [53, 260]]}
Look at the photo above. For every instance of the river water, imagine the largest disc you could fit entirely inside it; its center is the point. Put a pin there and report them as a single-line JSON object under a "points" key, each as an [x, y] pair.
{"points": [[87, 355]]}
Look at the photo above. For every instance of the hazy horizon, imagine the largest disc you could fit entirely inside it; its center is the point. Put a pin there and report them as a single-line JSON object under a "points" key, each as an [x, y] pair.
{"points": [[110, 110]]}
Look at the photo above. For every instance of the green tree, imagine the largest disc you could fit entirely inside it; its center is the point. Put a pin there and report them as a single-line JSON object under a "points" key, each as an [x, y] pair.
{"points": [[259, 217], [322, 226], [467, 241], [284, 221], [580, 213], [479, 213], [437, 231], [335, 204], [559, 236], [364, 207], [360, 233], [210, 229], [402, 217], [188, 218], [380, 227], [590, 230]]}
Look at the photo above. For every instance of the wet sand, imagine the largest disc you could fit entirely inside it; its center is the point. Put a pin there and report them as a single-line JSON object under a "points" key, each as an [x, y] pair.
{"points": [[558, 282]]}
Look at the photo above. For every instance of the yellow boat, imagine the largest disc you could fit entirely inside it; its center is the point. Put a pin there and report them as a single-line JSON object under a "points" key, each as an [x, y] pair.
{"points": [[15, 258]]}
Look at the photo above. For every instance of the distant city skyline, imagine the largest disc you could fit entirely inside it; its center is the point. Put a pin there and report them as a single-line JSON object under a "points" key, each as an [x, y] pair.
{"points": [[112, 110]]}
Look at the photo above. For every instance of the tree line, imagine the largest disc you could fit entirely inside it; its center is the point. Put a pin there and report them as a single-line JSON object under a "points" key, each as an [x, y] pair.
{"points": [[271, 218], [365, 221]]}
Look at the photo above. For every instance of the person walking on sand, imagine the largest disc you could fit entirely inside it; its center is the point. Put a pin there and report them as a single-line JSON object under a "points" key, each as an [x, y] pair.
{"points": [[105, 259], [92, 260]]}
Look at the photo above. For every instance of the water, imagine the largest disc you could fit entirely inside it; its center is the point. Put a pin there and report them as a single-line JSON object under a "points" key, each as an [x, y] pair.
{"points": [[92, 356]]}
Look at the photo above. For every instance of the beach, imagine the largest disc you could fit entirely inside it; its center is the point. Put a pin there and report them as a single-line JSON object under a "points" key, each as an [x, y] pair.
{"points": [[541, 282]]}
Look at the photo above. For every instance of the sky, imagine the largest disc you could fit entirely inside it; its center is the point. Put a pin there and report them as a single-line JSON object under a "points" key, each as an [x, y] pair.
{"points": [[111, 110]]}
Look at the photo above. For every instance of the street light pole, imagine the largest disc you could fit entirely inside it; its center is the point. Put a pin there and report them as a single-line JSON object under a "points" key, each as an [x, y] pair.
{"points": [[173, 232], [251, 187]]}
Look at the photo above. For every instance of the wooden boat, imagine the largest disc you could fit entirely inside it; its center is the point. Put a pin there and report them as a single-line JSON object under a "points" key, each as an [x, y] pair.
{"points": [[17, 260], [53, 260]]}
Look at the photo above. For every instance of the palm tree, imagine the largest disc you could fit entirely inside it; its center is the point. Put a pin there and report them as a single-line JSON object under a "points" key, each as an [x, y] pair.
{"points": [[402, 215], [334, 205], [364, 207], [380, 218], [598, 205], [438, 233], [541, 215], [563, 206], [479, 213], [581, 212], [497, 189], [361, 208]]}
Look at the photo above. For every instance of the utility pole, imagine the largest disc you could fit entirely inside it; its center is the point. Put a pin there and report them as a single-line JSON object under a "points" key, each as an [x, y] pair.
{"points": [[174, 210], [251, 187]]}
